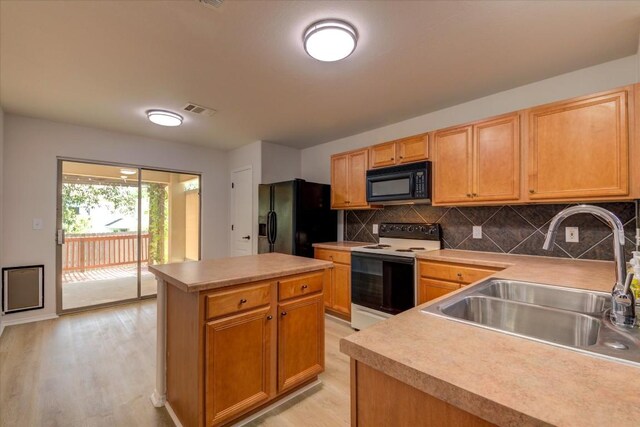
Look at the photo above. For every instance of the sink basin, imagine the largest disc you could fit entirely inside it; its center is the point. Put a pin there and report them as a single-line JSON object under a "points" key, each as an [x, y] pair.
{"points": [[557, 326], [565, 317], [594, 303]]}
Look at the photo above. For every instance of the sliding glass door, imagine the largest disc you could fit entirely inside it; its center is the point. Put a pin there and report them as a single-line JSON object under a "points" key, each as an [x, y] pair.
{"points": [[116, 220]]}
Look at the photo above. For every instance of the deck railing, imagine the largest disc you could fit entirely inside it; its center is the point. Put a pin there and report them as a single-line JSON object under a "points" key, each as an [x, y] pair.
{"points": [[87, 251]]}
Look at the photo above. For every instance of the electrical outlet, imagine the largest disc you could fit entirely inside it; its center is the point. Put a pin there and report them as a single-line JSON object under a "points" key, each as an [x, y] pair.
{"points": [[477, 232], [571, 235], [37, 224], [375, 228]]}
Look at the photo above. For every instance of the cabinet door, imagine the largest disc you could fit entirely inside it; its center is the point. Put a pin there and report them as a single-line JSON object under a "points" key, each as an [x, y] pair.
{"points": [[452, 165], [358, 162], [413, 149], [339, 181], [300, 341], [580, 148], [237, 364], [496, 155], [383, 155], [432, 289], [342, 288], [328, 287]]}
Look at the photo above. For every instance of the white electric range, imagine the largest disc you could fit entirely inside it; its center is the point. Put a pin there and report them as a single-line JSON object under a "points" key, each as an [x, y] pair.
{"points": [[384, 275]]}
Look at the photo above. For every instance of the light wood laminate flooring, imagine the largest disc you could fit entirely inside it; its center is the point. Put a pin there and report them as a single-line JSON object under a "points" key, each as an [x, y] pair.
{"points": [[97, 368]]}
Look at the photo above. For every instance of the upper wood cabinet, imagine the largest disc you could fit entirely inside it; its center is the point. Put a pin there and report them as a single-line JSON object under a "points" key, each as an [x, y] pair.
{"points": [[348, 180], [579, 149], [405, 150], [478, 162]]}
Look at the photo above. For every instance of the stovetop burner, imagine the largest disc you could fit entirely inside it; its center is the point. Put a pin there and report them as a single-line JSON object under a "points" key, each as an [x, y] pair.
{"points": [[381, 246]]}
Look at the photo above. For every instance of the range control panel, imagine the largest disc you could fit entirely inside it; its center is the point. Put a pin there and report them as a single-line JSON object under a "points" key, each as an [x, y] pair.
{"points": [[410, 231]]}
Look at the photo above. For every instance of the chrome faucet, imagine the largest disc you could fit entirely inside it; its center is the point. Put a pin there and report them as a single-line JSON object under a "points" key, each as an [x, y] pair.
{"points": [[623, 312]]}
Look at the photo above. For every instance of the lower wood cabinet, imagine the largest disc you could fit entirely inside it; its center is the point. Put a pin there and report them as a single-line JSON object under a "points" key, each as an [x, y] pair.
{"points": [[337, 294], [300, 341], [234, 350], [238, 364], [439, 278]]}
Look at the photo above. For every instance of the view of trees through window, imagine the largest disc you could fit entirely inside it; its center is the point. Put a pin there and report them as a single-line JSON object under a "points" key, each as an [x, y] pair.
{"points": [[112, 208]]}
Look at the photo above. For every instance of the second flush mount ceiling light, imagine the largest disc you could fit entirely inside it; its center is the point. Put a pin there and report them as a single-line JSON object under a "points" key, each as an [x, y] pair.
{"points": [[330, 40]]}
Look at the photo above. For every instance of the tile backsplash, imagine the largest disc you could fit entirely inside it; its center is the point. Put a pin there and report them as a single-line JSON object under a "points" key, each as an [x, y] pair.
{"points": [[516, 229]]}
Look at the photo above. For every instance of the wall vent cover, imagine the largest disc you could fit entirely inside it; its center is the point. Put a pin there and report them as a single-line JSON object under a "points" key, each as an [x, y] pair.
{"points": [[199, 109], [212, 3]]}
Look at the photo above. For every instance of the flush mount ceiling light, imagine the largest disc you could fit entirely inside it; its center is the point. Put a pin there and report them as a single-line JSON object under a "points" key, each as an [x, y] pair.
{"points": [[164, 118], [330, 40]]}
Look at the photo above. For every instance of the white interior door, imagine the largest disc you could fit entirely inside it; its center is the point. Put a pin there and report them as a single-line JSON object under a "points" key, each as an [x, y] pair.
{"points": [[241, 212]]}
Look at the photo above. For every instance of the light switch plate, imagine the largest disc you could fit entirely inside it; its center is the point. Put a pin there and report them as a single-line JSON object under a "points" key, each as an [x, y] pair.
{"points": [[571, 235], [38, 223], [375, 228], [477, 232]]}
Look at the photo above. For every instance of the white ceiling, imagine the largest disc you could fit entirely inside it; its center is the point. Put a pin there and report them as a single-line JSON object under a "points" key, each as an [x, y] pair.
{"points": [[103, 63]]}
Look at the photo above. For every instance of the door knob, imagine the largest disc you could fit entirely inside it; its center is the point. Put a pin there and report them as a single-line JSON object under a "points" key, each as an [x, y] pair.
{"points": [[246, 237]]}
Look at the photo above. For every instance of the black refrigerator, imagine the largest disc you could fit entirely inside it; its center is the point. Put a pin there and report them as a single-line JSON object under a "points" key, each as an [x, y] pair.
{"points": [[293, 215]]}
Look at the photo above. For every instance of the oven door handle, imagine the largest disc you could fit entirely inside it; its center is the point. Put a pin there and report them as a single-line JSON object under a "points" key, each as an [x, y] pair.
{"points": [[387, 258]]}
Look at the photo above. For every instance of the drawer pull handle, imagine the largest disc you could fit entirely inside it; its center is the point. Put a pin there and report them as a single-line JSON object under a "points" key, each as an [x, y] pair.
{"points": [[269, 317], [305, 286], [243, 301], [284, 313]]}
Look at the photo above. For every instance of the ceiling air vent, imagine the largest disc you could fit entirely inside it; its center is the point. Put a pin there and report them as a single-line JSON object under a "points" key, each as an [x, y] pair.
{"points": [[199, 109], [212, 3]]}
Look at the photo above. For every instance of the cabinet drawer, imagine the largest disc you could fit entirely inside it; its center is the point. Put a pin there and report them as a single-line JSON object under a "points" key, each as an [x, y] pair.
{"points": [[228, 302], [342, 257], [300, 285], [455, 272]]}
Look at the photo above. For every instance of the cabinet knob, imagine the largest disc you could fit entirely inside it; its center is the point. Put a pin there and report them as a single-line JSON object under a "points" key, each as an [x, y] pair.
{"points": [[348, 202], [269, 317], [284, 313], [393, 158], [459, 274], [243, 301], [401, 157], [532, 191], [305, 286], [468, 194], [330, 256], [474, 195]]}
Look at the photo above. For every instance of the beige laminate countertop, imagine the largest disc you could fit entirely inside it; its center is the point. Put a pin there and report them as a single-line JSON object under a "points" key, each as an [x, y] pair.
{"points": [[198, 276], [340, 246], [506, 380]]}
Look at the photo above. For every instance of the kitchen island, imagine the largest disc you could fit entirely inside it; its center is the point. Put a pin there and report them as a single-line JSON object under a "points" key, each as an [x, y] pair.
{"points": [[420, 369], [237, 334]]}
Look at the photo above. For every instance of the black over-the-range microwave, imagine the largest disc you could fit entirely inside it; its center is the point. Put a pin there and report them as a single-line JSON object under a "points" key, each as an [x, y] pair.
{"points": [[410, 182]]}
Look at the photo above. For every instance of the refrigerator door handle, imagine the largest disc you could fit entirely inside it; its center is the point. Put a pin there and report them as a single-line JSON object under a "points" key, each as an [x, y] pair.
{"points": [[269, 227], [274, 227]]}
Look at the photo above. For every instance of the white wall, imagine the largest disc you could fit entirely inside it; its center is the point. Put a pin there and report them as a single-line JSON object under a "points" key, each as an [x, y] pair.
{"points": [[247, 155], [30, 170], [315, 160], [279, 163]]}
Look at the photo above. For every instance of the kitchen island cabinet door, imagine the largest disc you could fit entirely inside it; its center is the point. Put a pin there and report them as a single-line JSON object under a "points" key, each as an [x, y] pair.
{"points": [[579, 149], [453, 165], [300, 341], [238, 365]]}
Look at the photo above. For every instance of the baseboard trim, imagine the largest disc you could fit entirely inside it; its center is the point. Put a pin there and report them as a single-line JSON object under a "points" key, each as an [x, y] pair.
{"points": [[339, 319], [1, 328], [280, 402], [28, 320], [173, 415]]}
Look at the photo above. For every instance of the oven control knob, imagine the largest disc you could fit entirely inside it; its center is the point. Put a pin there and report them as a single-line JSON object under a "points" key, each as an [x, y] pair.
{"points": [[383, 227], [423, 229], [403, 228], [410, 228]]}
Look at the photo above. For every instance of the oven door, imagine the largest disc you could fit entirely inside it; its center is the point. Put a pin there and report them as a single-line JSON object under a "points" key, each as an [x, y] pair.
{"points": [[392, 186], [383, 282]]}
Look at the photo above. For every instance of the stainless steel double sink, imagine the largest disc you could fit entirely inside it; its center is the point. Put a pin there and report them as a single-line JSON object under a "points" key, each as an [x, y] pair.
{"points": [[571, 318]]}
